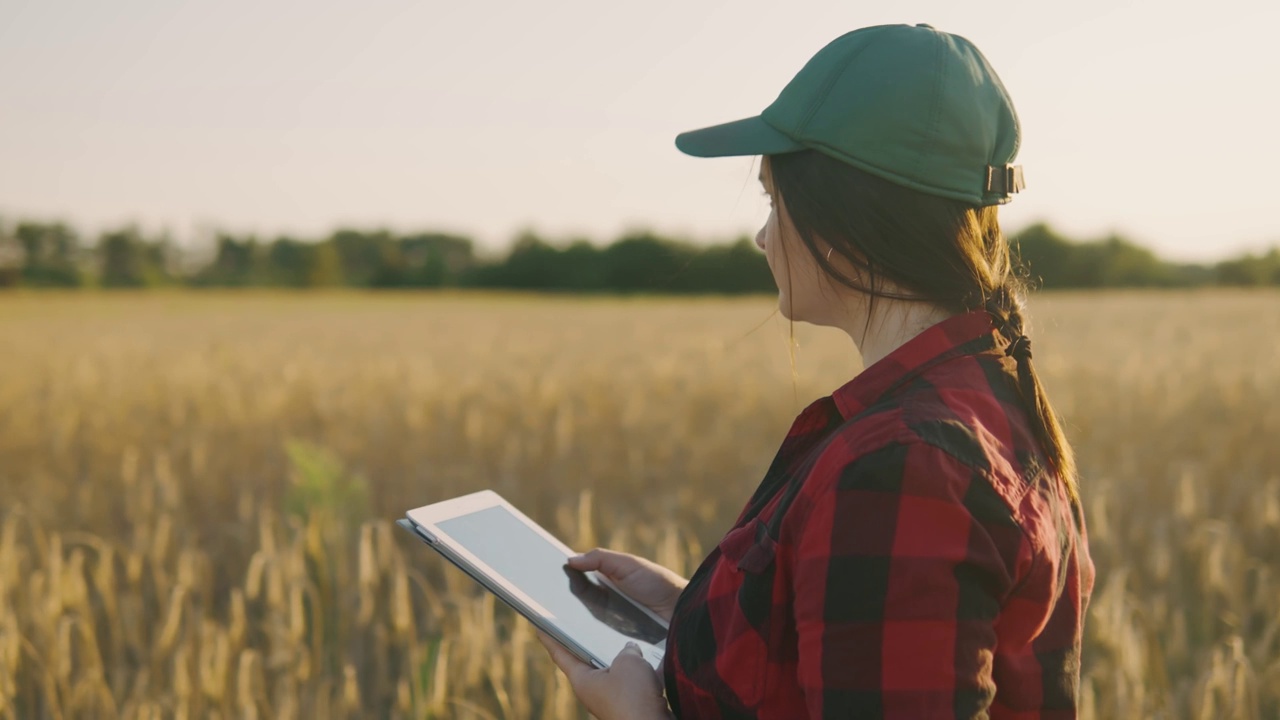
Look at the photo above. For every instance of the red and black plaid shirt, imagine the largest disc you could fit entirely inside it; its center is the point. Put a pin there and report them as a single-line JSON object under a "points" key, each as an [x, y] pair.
{"points": [[907, 555]]}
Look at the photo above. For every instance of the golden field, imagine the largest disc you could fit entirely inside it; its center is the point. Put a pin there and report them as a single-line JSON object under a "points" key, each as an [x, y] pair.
{"points": [[197, 490]]}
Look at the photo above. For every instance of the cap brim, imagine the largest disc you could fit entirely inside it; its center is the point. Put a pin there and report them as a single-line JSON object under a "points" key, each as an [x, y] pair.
{"points": [[748, 136]]}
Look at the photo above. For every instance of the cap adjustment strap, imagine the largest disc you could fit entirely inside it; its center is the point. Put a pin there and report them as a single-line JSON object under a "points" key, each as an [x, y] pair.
{"points": [[1004, 180]]}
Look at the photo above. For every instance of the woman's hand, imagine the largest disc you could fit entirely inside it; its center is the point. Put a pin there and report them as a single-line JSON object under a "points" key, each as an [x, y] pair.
{"points": [[628, 690], [644, 581]]}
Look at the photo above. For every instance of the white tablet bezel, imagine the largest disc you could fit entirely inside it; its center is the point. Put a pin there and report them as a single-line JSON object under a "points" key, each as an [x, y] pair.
{"points": [[426, 521]]}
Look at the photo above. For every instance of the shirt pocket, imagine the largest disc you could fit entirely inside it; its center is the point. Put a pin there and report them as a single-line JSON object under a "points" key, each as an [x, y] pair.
{"points": [[749, 548], [744, 627]]}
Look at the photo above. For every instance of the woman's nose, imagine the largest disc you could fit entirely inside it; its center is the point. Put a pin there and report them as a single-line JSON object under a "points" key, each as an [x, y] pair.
{"points": [[760, 239]]}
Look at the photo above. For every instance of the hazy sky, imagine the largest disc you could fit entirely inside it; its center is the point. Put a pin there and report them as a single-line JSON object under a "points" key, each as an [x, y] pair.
{"points": [[1154, 119]]}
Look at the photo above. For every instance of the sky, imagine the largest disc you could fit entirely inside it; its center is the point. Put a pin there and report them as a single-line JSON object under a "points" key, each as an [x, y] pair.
{"points": [[1155, 120]]}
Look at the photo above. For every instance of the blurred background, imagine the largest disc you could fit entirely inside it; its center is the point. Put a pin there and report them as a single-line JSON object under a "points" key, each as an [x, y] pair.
{"points": [[272, 273]]}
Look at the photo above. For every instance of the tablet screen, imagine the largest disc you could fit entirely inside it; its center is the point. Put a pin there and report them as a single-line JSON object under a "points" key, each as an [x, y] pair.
{"points": [[592, 614]]}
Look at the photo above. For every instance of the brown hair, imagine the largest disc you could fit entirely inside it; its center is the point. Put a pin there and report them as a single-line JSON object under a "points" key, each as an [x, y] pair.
{"points": [[942, 251]]}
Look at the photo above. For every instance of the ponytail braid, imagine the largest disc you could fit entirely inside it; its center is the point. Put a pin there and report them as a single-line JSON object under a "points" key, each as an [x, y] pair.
{"points": [[1004, 304]]}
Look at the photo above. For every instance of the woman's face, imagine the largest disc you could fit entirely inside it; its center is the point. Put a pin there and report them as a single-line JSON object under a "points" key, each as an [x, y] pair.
{"points": [[804, 292]]}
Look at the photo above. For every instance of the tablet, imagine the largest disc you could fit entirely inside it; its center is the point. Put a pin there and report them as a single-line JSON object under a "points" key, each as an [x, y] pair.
{"points": [[525, 566]]}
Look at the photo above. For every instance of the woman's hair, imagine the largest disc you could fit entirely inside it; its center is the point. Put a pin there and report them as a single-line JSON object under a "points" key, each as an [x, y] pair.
{"points": [[942, 251]]}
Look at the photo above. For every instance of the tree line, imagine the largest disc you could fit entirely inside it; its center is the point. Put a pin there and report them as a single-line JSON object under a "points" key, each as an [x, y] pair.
{"points": [[34, 254]]}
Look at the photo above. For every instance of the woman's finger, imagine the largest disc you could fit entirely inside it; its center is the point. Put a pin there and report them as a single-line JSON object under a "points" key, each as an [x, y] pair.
{"points": [[589, 560], [568, 663], [552, 646], [612, 564], [629, 652], [631, 655]]}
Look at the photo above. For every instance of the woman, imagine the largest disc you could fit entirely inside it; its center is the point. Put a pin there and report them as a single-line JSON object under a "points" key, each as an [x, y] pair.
{"points": [[917, 547]]}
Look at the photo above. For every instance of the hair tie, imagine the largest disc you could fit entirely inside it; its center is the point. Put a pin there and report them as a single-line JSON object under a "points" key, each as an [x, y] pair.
{"points": [[1020, 348]]}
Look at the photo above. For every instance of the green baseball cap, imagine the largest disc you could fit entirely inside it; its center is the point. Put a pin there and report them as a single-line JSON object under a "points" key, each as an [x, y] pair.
{"points": [[910, 104]]}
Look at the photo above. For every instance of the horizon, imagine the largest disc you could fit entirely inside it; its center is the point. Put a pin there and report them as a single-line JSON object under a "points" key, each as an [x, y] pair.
{"points": [[201, 254], [291, 119]]}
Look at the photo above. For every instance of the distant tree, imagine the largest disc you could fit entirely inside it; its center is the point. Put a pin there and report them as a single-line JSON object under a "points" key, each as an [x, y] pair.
{"points": [[162, 259], [390, 271], [643, 262], [1121, 263], [1272, 259], [435, 271], [532, 264], [435, 259], [237, 263], [287, 262], [583, 267], [50, 255], [299, 264], [124, 259], [1047, 256], [324, 266], [11, 258], [1052, 261], [1250, 270], [730, 269], [367, 258], [1191, 274]]}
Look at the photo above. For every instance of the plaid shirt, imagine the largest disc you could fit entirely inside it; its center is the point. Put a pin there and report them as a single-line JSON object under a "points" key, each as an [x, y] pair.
{"points": [[907, 555]]}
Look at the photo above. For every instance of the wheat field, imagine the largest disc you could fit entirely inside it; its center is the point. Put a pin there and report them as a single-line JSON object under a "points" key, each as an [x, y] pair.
{"points": [[197, 490]]}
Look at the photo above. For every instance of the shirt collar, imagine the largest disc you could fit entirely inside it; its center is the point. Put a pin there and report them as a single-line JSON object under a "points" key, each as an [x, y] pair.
{"points": [[965, 334]]}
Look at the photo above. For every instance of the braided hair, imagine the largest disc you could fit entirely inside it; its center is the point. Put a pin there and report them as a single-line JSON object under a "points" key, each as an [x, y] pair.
{"points": [[1004, 304]]}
